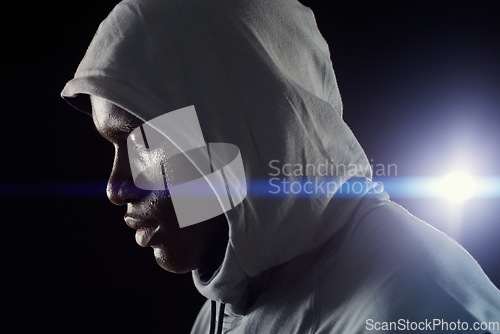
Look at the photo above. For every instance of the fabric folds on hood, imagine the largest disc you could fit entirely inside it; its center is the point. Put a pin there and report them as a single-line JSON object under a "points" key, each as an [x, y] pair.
{"points": [[260, 77]]}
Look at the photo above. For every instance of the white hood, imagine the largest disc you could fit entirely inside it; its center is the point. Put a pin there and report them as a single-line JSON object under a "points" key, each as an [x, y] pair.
{"points": [[260, 76]]}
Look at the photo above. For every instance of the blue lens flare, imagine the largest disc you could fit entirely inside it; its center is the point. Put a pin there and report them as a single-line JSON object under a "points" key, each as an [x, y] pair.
{"points": [[396, 186], [65, 190]]}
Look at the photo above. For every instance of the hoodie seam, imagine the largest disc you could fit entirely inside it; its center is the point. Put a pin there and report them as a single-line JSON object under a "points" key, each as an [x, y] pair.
{"points": [[315, 306]]}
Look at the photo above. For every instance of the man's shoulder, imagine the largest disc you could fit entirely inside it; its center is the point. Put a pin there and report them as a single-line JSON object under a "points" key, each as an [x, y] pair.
{"points": [[399, 265]]}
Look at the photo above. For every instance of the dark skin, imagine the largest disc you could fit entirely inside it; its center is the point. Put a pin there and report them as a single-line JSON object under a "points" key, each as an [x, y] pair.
{"points": [[151, 213]]}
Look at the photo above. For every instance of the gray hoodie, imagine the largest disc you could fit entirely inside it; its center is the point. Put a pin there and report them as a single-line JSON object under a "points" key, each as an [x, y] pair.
{"points": [[344, 260]]}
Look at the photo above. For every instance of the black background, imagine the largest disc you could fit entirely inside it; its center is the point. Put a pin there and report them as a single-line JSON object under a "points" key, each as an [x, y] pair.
{"points": [[418, 81]]}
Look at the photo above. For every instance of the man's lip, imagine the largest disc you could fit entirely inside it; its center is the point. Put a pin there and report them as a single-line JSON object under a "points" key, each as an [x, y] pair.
{"points": [[137, 224], [144, 230], [144, 236]]}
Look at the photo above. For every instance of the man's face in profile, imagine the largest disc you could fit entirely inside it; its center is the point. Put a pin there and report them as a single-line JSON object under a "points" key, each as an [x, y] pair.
{"points": [[151, 213]]}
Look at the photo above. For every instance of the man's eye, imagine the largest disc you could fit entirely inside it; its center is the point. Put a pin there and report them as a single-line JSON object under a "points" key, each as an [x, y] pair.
{"points": [[136, 140], [141, 148]]}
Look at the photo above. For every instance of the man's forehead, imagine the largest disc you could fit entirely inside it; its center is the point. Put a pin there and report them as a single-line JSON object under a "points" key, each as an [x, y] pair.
{"points": [[110, 119]]}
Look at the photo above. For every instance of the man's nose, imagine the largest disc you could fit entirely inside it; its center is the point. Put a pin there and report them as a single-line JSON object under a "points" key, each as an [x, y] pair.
{"points": [[121, 188]]}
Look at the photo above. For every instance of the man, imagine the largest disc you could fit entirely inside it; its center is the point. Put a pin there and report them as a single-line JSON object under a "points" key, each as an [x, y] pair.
{"points": [[334, 256]]}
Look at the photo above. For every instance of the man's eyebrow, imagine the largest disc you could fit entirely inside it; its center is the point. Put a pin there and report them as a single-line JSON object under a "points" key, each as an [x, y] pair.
{"points": [[131, 126]]}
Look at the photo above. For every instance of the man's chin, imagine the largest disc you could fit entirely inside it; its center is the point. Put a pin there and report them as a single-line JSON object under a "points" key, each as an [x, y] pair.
{"points": [[174, 263]]}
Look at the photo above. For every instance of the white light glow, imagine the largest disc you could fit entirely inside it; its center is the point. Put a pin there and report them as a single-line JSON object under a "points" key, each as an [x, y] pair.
{"points": [[457, 186]]}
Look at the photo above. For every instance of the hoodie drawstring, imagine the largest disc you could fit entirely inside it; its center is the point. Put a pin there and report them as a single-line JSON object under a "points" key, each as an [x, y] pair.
{"points": [[221, 317]]}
